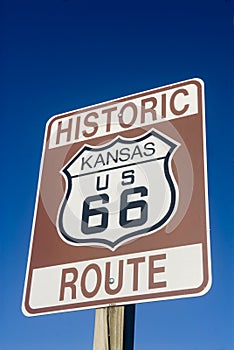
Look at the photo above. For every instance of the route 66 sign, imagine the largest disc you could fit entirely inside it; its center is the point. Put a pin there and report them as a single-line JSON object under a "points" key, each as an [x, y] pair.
{"points": [[118, 191], [122, 197]]}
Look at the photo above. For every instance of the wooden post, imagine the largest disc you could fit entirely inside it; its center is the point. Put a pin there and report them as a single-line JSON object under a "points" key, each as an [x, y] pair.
{"points": [[101, 337], [110, 332]]}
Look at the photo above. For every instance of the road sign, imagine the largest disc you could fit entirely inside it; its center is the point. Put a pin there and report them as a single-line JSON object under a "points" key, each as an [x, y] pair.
{"points": [[121, 214]]}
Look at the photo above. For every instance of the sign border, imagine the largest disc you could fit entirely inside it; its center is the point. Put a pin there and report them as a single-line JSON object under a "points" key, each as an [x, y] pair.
{"points": [[160, 296]]}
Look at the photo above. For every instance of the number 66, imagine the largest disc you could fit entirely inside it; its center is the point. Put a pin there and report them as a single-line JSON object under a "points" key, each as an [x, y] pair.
{"points": [[125, 206]]}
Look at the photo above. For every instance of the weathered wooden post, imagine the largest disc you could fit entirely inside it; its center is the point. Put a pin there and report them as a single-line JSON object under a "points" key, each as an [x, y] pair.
{"points": [[114, 328], [109, 328]]}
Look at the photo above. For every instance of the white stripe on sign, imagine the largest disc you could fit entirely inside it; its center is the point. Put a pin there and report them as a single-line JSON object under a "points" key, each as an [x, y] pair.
{"points": [[164, 270]]}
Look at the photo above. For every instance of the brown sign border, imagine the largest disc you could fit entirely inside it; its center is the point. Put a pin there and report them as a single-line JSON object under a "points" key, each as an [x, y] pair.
{"points": [[137, 298]]}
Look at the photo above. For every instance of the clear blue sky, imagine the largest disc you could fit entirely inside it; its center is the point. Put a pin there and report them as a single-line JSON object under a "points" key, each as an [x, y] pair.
{"points": [[61, 55]]}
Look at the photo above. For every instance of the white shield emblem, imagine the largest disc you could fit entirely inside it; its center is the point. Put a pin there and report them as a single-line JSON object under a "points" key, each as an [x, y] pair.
{"points": [[119, 191]]}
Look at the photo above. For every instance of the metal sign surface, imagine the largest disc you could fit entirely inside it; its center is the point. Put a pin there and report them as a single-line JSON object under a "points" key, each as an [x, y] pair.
{"points": [[121, 214]]}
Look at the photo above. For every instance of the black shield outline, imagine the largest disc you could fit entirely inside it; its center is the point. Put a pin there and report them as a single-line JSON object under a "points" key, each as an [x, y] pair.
{"points": [[150, 230]]}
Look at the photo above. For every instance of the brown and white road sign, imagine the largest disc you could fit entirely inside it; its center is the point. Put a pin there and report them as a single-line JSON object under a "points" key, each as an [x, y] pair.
{"points": [[121, 214]]}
